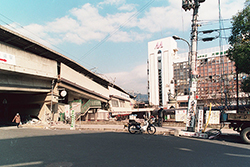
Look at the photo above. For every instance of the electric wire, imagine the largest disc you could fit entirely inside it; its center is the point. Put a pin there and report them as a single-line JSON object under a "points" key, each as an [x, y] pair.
{"points": [[213, 22], [35, 35], [80, 59], [117, 29]]}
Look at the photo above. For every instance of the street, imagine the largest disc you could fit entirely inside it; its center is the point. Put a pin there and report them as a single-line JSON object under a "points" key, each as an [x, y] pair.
{"points": [[39, 147]]}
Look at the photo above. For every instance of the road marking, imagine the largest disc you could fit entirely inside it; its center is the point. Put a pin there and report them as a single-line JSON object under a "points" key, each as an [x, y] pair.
{"points": [[238, 155], [23, 164], [185, 149]]}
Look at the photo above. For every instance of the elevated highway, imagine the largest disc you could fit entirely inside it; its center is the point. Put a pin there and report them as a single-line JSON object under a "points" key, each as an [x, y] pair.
{"points": [[33, 75]]}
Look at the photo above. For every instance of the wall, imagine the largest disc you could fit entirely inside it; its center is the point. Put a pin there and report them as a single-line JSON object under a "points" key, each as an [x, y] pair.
{"points": [[27, 63], [83, 81], [123, 101], [28, 77]]}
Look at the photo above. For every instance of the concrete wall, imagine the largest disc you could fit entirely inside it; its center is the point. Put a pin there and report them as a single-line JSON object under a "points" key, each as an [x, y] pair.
{"points": [[118, 93], [83, 81], [124, 102], [17, 60], [28, 77], [18, 82]]}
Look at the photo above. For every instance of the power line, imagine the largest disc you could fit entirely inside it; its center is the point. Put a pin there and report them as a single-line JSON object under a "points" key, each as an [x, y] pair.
{"points": [[80, 60], [213, 30], [212, 22], [120, 26], [14, 28]]}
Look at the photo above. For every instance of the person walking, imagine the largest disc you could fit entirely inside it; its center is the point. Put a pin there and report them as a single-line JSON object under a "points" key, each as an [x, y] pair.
{"points": [[18, 119]]}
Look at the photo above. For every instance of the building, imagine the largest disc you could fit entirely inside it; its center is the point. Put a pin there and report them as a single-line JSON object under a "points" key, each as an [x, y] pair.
{"points": [[216, 77], [39, 82], [161, 54]]}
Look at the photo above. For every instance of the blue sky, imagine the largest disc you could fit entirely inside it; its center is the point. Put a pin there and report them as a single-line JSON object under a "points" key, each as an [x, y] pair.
{"points": [[110, 37]]}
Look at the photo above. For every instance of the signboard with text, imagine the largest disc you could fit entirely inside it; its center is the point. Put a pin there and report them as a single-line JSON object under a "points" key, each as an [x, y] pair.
{"points": [[180, 115], [214, 118], [7, 58], [200, 120], [75, 107], [191, 113]]}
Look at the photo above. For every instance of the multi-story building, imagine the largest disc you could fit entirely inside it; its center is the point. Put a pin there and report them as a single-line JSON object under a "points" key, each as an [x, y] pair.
{"points": [[161, 54], [216, 82], [216, 78]]}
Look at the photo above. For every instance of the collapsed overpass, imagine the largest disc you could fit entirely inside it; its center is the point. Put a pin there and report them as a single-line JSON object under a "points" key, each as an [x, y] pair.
{"points": [[32, 76]]}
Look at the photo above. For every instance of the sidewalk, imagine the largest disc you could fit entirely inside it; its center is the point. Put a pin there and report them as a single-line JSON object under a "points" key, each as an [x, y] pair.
{"points": [[165, 130]]}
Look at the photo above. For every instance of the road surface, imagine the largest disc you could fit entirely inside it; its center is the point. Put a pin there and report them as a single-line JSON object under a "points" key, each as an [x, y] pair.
{"points": [[38, 147]]}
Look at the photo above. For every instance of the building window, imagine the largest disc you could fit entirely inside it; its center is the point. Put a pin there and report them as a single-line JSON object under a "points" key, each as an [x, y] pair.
{"points": [[122, 103], [114, 103], [185, 92]]}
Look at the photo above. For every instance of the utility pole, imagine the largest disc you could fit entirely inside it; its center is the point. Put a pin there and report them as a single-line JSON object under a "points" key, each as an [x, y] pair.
{"points": [[192, 101]]}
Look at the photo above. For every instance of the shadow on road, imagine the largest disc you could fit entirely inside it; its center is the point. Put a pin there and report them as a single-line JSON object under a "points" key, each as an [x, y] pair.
{"points": [[233, 138], [38, 147]]}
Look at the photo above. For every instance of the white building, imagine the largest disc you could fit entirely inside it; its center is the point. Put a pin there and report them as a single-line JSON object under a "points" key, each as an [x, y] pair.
{"points": [[161, 54]]}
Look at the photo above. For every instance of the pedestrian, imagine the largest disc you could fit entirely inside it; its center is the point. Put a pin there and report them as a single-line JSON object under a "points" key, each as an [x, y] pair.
{"points": [[18, 119]]}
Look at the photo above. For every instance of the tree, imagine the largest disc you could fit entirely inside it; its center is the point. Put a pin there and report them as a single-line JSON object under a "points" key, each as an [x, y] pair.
{"points": [[246, 85], [239, 40]]}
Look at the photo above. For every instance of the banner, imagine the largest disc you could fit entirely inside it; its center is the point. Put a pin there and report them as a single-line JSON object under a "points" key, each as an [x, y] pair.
{"points": [[200, 120], [75, 107], [191, 114]]}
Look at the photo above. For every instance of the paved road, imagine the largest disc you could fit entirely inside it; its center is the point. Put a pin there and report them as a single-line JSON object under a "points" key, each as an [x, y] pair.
{"points": [[39, 147]]}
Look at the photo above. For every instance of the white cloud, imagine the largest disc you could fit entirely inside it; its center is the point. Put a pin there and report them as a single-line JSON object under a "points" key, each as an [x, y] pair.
{"points": [[34, 31], [86, 24], [68, 23], [162, 18], [112, 2], [135, 80], [127, 7], [209, 10]]}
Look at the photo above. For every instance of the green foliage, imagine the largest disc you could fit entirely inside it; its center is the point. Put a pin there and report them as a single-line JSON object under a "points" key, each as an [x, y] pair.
{"points": [[240, 54], [246, 85], [239, 40], [241, 27], [239, 51]]}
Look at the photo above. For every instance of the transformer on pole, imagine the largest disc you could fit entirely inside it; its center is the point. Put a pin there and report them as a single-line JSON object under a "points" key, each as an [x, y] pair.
{"points": [[192, 101]]}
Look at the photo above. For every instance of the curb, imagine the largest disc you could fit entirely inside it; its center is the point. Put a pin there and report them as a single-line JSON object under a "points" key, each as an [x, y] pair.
{"points": [[172, 132]]}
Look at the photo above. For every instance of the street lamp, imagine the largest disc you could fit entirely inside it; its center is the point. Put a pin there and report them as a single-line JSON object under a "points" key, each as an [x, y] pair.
{"points": [[189, 50], [179, 38], [189, 46]]}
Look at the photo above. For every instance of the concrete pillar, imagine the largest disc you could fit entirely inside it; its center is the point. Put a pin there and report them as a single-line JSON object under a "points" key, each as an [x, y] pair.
{"points": [[87, 117], [95, 114]]}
